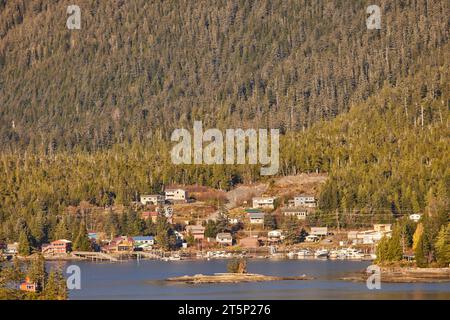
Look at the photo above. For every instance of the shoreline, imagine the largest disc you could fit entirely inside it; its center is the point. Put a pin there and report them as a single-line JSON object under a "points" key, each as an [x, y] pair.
{"points": [[404, 275]]}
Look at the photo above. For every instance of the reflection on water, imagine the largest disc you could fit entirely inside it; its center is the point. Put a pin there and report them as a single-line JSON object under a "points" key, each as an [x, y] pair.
{"points": [[143, 280]]}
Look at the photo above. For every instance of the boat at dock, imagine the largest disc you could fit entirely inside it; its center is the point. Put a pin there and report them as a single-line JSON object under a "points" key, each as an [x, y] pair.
{"points": [[305, 253], [291, 255], [354, 254], [173, 257], [322, 253]]}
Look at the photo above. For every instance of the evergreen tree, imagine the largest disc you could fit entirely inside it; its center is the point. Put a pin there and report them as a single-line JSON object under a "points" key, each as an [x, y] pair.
{"points": [[269, 222], [190, 239], [82, 242], [419, 253], [150, 228], [56, 287], [395, 251], [62, 286], [382, 250], [39, 229], [61, 231], [222, 224], [210, 229], [112, 227], [417, 235], [51, 291], [136, 226], [443, 246], [37, 273], [163, 233], [24, 244], [291, 226]]}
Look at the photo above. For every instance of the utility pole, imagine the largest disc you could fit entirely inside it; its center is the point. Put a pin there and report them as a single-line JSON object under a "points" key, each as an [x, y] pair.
{"points": [[337, 220], [421, 114], [403, 241]]}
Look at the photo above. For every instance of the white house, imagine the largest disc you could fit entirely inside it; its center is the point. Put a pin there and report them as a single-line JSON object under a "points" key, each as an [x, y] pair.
{"points": [[233, 220], [319, 231], [415, 217], [305, 200], [300, 213], [155, 199], [143, 241], [256, 217], [311, 238], [224, 238], [364, 237], [275, 235], [382, 227], [176, 195], [12, 248], [264, 202]]}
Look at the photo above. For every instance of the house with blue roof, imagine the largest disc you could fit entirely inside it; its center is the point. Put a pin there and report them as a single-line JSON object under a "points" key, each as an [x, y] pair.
{"points": [[143, 241]]}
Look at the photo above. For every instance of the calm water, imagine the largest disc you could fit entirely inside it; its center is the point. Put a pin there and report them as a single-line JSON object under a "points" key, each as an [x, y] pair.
{"points": [[142, 280]]}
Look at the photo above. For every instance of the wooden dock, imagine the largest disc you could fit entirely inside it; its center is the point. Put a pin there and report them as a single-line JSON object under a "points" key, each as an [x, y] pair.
{"points": [[94, 256]]}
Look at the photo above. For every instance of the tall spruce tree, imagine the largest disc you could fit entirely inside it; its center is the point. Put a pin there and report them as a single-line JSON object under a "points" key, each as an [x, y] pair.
{"points": [[443, 246], [419, 253], [24, 244], [82, 242]]}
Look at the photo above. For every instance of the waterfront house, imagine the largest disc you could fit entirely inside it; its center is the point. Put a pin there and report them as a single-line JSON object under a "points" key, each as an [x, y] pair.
{"points": [[300, 213], [153, 215], [28, 285], [154, 199], [319, 231], [264, 202], [143, 242], [305, 200], [256, 217], [197, 231], [120, 244], [415, 217], [224, 238], [176, 195], [61, 246], [364, 237]]}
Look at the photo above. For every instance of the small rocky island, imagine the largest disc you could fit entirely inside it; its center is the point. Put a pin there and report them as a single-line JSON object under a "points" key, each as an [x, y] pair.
{"points": [[237, 272]]}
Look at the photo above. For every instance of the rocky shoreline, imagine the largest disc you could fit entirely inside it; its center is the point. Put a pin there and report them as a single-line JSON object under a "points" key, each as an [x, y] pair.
{"points": [[232, 278], [405, 275]]}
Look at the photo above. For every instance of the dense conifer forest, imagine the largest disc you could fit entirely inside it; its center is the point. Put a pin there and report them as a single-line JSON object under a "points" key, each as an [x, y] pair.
{"points": [[86, 115], [138, 69]]}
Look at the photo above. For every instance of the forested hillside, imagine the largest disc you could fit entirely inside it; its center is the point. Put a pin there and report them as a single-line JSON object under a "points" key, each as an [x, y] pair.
{"points": [[386, 157], [138, 69], [85, 115]]}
